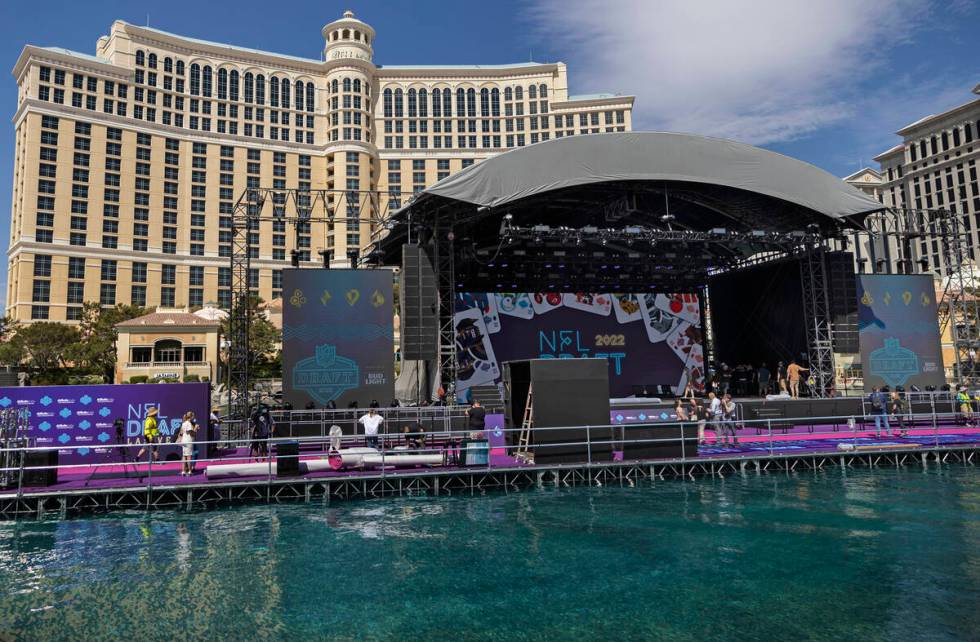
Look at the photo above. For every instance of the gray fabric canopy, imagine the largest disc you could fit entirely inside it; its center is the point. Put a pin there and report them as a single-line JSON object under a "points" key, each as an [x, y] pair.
{"points": [[652, 156]]}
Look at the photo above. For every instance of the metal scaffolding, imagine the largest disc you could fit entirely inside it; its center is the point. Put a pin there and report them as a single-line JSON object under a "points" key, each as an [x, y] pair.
{"points": [[299, 208]]}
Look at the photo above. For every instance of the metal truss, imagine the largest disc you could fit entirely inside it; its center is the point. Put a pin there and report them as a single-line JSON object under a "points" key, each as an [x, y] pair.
{"points": [[816, 313], [443, 244], [470, 481], [299, 208]]}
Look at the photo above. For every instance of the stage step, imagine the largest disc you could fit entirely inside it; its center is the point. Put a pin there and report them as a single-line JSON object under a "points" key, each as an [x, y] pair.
{"points": [[488, 396]]}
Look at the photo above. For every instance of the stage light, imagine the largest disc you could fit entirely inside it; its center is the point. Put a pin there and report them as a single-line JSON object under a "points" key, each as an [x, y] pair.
{"points": [[719, 231], [326, 256], [813, 227], [294, 258], [590, 229], [508, 217]]}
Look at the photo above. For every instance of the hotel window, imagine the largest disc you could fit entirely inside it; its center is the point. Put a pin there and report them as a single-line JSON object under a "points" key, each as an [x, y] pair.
{"points": [[41, 292], [39, 312], [76, 292], [76, 267], [107, 294], [42, 265]]}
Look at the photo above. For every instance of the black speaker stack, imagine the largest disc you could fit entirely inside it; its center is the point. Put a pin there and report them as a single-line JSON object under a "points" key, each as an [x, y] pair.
{"points": [[420, 305]]}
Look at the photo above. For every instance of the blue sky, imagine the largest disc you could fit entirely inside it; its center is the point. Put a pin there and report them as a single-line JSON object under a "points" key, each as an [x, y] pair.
{"points": [[828, 82]]}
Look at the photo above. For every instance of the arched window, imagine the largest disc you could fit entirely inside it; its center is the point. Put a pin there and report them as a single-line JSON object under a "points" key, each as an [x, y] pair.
{"points": [[151, 61], [461, 102], [249, 87], [180, 67], [299, 95], [423, 103], [346, 85], [260, 89], [495, 102], [387, 104], [140, 58], [447, 103], [346, 34], [357, 35], [274, 91], [167, 351], [436, 107], [336, 35], [543, 91], [334, 85], [168, 65], [357, 85], [206, 83], [471, 102], [195, 79], [484, 102], [223, 84], [508, 94], [518, 93], [399, 104], [233, 85], [532, 93], [413, 104], [310, 97], [285, 93]]}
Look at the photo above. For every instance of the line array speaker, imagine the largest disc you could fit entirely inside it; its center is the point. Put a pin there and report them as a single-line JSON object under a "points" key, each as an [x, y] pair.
{"points": [[419, 305]]}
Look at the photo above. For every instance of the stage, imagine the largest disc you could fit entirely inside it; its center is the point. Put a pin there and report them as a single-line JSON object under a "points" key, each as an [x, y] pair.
{"points": [[799, 447]]}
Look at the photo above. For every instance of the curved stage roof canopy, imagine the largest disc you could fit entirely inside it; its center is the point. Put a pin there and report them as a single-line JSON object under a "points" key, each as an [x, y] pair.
{"points": [[604, 197]]}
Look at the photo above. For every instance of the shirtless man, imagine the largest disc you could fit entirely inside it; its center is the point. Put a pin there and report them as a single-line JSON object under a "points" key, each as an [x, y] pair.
{"points": [[793, 374]]}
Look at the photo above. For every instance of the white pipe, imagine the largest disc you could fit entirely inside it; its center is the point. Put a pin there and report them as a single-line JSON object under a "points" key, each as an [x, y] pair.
{"points": [[349, 457], [372, 461]]}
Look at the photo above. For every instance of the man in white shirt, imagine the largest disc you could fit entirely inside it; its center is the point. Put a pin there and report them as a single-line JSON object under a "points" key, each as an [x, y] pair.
{"points": [[371, 421], [715, 413]]}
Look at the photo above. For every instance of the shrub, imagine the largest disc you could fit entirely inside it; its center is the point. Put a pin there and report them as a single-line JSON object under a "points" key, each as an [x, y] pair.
{"points": [[191, 378], [139, 379]]}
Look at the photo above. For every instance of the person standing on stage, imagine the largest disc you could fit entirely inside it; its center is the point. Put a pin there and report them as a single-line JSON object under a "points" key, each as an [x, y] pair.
{"points": [[715, 414], [214, 426], [186, 437], [688, 388], [477, 420], [793, 374], [781, 378], [728, 411], [151, 435], [263, 428], [966, 407], [879, 409], [696, 412], [763, 375], [371, 421]]}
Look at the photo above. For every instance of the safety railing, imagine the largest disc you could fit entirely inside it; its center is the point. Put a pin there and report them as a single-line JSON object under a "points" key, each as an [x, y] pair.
{"points": [[343, 454]]}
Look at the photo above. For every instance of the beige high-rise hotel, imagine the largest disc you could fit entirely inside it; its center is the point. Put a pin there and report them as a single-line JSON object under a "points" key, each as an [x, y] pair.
{"points": [[128, 163]]}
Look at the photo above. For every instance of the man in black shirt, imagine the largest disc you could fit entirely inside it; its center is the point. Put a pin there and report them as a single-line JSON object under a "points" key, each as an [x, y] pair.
{"points": [[477, 420]]}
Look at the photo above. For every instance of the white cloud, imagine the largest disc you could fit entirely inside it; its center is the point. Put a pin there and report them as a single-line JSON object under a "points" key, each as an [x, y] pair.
{"points": [[759, 71]]}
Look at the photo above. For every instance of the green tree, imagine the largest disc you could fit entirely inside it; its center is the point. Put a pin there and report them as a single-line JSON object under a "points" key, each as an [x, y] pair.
{"points": [[10, 353], [96, 352], [263, 338], [44, 348]]}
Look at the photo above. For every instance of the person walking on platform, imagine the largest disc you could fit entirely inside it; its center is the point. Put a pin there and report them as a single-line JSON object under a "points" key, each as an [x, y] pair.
{"points": [[763, 375], [371, 421], [715, 415], [151, 435], [898, 406], [696, 412], [781, 379], [879, 410], [793, 374], [263, 428]]}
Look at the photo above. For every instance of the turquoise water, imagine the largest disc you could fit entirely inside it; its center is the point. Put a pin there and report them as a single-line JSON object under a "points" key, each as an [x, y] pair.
{"points": [[880, 555]]}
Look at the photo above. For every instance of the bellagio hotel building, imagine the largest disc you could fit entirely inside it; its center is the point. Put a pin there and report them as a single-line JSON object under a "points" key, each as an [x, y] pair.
{"points": [[129, 163]]}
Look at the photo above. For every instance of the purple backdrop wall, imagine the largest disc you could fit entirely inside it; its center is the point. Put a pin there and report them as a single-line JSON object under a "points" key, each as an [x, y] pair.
{"points": [[63, 416]]}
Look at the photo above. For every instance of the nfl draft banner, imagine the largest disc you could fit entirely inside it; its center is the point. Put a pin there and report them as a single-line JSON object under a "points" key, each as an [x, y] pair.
{"points": [[898, 330], [650, 340], [337, 337], [85, 416]]}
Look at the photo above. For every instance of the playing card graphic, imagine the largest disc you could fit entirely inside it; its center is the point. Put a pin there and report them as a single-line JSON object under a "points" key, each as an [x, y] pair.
{"points": [[485, 303], [475, 361], [627, 307], [658, 323], [515, 304], [545, 301], [684, 337], [595, 303], [695, 366], [685, 306]]}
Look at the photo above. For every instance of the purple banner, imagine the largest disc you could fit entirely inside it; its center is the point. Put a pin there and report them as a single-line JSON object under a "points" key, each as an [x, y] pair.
{"points": [[64, 416]]}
